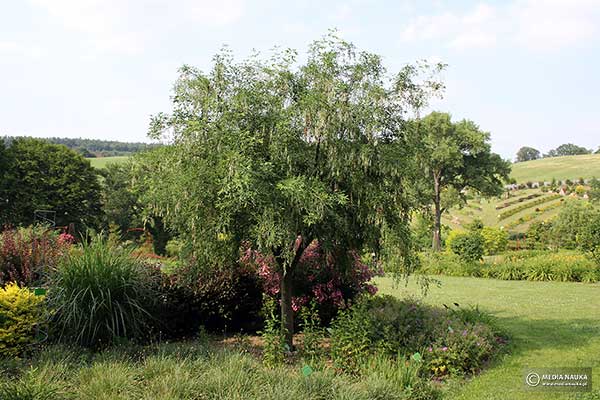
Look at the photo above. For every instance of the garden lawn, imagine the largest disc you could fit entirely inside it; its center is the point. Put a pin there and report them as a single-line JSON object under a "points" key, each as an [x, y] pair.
{"points": [[551, 324]]}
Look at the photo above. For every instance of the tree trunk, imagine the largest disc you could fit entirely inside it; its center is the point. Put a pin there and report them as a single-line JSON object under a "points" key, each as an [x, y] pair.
{"points": [[287, 313], [286, 290], [437, 214]]}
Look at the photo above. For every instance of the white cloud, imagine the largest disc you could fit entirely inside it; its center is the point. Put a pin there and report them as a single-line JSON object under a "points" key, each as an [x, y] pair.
{"points": [[534, 24]]}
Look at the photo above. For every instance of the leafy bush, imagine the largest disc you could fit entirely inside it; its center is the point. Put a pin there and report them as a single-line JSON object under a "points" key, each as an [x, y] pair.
{"points": [[331, 280], [457, 342], [569, 223], [27, 254], [494, 240], [589, 237], [100, 294], [20, 312], [219, 300], [468, 246]]}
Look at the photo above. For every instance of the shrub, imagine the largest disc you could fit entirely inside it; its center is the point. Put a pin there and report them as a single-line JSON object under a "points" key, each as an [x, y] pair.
{"points": [[219, 300], [494, 240], [27, 254], [456, 342], [329, 279], [468, 246], [20, 312], [589, 237], [101, 293]]}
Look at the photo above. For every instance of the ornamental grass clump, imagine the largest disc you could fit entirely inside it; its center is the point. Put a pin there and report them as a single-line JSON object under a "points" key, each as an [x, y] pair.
{"points": [[100, 294]]}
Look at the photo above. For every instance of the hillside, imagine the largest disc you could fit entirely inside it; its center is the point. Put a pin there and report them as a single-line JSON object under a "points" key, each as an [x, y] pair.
{"points": [[100, 162], [568, 167]]}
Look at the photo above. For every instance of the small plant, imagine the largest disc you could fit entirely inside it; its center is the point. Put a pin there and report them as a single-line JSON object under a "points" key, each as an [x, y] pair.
{"points": [[101, 294], [312, 331], [20, 312], [273, 339]]}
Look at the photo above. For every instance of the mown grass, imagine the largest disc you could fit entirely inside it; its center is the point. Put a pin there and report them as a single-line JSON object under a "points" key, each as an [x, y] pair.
{"points": [[552, 324], [101, 162], [568, 167]]}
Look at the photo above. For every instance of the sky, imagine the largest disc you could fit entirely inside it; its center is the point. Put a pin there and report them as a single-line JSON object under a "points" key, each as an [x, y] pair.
{"points": [[527, 71]]}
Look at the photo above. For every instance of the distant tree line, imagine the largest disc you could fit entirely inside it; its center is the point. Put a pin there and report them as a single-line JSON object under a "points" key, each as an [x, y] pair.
{"points": [[94, 147], [526, 153]]}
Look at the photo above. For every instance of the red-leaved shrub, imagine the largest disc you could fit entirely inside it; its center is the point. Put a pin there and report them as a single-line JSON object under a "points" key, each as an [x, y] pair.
{"points": [[26, 254], [331, 281]]}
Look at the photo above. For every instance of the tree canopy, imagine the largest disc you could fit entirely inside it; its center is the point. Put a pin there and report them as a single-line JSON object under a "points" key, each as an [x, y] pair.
{"points": [[279, 155], [455, 157], [528, 154], [48, 176], [567, 149]]}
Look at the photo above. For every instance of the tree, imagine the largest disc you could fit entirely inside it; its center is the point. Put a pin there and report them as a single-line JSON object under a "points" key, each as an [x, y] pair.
{"points": [[6, 181], [455, 157], [567, 149], [594, 192], [48, 176], [527, 154], [278, 157], [121, 205], [589, 237]]}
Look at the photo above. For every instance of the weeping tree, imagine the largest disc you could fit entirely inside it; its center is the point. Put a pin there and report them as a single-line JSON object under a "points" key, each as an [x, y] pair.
{"points": [[278, 155], [455, 157]]}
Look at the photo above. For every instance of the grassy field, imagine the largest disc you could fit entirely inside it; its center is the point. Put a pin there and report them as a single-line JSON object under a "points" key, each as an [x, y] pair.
{"points": [[552, 324], [569, 167], [100, 162]]}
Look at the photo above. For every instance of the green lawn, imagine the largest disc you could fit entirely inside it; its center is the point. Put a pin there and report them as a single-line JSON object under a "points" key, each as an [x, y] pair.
{"points": [[100, 162], [552, 324], [568, 167]]}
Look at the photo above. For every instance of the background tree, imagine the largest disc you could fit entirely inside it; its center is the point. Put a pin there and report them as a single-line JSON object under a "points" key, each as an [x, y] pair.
{"points": [[121, 205], [6, 182], [455, 157], [567, 149], [278, 157], [527, 154], [53, 177]]}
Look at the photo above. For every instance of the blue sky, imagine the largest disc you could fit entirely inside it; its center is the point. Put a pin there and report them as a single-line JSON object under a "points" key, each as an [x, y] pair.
{"points": [[525, 70]]}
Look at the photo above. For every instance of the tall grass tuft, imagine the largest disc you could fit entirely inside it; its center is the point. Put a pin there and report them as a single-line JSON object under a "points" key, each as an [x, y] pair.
{"points": [[101, 294]]}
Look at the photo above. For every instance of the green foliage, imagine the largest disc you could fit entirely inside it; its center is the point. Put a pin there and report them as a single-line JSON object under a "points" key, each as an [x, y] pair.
{"points": [[527, 154], [495, 240], [313, 334], [567, 149], [120, 202], [469, 246], [51, 177], [273, 348], [101, 294], [533, 265], [569, 223], [589, 236], [458, 342], [454, 157], [277, 155], [594, 192], [20, 312]]}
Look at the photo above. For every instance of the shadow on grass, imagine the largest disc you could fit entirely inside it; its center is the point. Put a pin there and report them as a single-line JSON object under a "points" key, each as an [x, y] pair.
{"points": [[528, 335]]}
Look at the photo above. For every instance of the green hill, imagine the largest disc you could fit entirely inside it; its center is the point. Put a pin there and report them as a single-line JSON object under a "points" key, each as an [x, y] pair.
{"points": [[568, 167], [100, 162]]}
